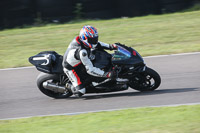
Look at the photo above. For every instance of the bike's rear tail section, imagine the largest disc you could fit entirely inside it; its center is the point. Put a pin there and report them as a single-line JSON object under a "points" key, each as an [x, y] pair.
{"points": [[52, 80], [48, 62]]}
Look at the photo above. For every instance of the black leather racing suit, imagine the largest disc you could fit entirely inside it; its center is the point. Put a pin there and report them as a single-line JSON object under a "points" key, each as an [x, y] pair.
{"points": [[77, 57]]}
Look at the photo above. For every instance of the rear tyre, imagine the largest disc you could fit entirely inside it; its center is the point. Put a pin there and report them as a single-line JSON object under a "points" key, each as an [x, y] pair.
{"points": [[43, 77], [148, 80]]}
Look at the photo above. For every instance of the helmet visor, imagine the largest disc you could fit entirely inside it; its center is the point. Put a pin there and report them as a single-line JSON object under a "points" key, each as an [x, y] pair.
{"points": [[93, 40]]}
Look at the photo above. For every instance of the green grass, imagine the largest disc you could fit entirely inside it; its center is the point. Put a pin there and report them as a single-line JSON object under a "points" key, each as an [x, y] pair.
{"points": [[150, 35], [181, 119]]}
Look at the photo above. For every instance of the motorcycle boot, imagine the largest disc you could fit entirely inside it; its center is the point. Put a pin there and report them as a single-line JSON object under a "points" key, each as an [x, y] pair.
{"points": [[79, 92], [70, 87]]}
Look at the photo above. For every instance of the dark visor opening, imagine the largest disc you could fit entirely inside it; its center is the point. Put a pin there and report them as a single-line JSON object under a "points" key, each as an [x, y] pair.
{"points": [[93, 40]]}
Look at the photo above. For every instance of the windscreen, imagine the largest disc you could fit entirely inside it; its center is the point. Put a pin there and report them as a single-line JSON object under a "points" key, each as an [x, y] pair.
{"points": [[121, 54], [124, 51]]}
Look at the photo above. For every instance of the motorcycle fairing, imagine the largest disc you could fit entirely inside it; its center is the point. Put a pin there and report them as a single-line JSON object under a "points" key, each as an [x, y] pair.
{"points": [[124, 56], [127, 56], [48, 62], [102, 60]]}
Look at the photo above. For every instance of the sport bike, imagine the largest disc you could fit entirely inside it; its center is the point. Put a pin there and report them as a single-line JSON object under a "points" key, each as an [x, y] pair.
{"points": [[126, 62]]}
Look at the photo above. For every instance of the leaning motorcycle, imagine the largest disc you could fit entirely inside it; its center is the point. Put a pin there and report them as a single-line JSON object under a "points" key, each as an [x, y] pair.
{"points": [[129, 66]]}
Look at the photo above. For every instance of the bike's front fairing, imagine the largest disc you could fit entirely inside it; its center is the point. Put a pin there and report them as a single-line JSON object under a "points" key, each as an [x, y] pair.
{"points": [[123, 56], [127, 56], [102, 60]]}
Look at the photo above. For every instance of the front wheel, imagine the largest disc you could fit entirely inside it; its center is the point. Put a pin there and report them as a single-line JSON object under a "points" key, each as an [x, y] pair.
{"points": [[43, 77], [148, 80]]}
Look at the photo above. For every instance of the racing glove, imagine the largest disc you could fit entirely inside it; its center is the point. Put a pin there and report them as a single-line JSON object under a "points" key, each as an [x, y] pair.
{"points": [[113, 46]]}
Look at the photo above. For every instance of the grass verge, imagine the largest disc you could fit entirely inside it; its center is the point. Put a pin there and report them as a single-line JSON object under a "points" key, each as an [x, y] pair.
{"points": [[181, 119], [150, 35]]}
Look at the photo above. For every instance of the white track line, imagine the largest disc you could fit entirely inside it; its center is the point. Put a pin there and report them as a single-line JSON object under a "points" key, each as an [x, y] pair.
{"points": [[17, 68], [156, 56], [109, 110]]}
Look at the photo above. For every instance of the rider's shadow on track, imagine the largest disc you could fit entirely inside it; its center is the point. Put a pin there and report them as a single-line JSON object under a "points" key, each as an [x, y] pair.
{"points": [[125, 94]]}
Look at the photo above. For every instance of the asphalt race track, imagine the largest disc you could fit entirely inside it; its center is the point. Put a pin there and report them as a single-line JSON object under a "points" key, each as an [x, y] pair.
{"points": [[19, 96]]}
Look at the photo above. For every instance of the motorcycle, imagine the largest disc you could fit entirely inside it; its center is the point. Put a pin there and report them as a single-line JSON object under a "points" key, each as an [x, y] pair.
{"points": [[127, 63]]}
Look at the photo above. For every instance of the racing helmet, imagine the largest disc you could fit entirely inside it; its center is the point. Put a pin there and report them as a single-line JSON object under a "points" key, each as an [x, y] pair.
{"points": [[89, 36]]}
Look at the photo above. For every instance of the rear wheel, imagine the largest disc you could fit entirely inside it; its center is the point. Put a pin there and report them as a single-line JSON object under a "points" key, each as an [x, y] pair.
{"points": [[148, 80], [43, 77]]}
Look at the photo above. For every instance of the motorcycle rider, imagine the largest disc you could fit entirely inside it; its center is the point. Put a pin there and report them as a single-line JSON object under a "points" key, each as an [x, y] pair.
{"points": [[78, 57]]}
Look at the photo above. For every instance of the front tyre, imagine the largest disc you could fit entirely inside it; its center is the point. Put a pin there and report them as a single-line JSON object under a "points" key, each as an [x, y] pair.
{"points": [[43, 77], [148, 80]]}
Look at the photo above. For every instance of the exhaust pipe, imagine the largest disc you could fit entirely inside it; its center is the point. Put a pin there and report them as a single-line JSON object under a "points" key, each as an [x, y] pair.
{"points": [[54, 87]]}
